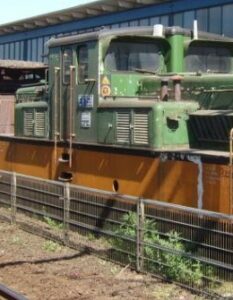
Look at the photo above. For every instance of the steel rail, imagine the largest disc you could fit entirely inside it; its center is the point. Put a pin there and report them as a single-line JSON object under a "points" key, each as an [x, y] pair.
{"points": [[9, 294]]}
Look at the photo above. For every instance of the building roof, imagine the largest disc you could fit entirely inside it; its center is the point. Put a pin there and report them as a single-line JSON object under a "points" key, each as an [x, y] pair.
{"points": [[19, 64], [75, 13]]}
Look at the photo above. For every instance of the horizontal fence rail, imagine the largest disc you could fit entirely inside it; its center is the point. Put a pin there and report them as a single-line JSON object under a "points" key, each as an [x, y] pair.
{"points": [[189, 246]]}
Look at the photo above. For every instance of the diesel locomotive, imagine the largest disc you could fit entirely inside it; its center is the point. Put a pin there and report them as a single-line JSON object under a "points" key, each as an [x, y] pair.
{"points": [[144, 111]]}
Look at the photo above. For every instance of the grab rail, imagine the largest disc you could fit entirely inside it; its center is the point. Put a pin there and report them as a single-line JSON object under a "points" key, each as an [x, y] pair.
{"points": [[56, 101], [71, 114]]}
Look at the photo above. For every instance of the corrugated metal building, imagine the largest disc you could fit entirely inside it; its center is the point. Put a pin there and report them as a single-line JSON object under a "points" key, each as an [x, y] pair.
{"points": [[25, 39]]}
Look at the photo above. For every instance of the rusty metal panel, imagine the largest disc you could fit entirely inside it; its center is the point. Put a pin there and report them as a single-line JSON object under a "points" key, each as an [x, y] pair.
{"points": [[7, 114]]}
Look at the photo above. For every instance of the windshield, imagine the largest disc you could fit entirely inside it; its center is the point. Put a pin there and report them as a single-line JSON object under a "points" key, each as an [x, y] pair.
{"points": [[208, 59], [133, 56]]}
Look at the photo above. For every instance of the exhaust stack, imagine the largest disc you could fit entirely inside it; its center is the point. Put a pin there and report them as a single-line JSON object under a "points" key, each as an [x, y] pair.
{"points": [[195, 30]]}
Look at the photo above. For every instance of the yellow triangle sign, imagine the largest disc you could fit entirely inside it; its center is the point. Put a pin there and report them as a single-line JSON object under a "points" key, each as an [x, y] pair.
{"points": [[105, 80]]}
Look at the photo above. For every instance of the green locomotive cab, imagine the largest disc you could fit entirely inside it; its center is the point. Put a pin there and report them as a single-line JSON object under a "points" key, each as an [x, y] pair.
{"points": [[97, 96]]}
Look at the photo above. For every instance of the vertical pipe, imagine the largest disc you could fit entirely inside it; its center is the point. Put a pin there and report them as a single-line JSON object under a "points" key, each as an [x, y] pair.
{"points": [[140, 234], [195, 30], [56, 133], [66, 213], [231, 173], [71, 114], [177, 87], [164, 89], [13, 197], [176, 61]]}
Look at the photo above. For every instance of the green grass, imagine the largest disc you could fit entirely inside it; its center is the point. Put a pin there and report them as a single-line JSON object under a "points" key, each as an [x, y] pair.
{"points": [[53, 224], [51, 246]]}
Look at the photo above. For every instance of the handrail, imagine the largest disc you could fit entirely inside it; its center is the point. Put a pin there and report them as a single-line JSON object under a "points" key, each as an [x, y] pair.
{"points": [[71, 114], [56, 95], [231, 172]]}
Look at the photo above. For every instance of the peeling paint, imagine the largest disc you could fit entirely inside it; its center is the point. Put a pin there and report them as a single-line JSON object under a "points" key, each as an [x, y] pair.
{"points": [[182, 156], [163, 157], [200, 188]]}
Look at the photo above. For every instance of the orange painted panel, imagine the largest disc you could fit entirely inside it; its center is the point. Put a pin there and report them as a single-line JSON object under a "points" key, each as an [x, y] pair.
{"points": [[153, 178], [138, 175], [216, 180]]}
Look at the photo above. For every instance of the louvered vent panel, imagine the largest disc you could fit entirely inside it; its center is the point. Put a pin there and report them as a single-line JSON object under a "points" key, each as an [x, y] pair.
{"points": [[40, 121], [123, 127], [28, 122], [211, 128], [141, 129]]}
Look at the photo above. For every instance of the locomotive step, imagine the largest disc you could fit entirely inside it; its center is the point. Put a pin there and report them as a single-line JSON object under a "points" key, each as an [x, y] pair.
{"points": [[65, 157], [65, 177]]}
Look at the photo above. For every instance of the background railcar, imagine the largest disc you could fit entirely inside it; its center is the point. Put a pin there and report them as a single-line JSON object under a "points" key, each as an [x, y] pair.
{"points": [[15, 74]]}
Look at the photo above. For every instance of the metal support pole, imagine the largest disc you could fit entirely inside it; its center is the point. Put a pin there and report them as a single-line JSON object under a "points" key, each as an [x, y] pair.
{"points": [[13, 198], [140, 234], [66, 215], [231, 173]]}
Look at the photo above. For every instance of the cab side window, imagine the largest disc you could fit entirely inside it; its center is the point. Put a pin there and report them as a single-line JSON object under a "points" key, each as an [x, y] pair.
{"points": [[66, 63], [82, 63]]}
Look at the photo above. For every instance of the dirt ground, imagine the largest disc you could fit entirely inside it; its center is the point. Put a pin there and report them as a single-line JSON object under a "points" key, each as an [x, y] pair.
{"points": [[41, 269]]}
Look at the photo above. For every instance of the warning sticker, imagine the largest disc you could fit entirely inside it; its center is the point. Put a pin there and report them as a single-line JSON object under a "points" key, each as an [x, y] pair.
{"points": [[105, 81], [105, 90]]}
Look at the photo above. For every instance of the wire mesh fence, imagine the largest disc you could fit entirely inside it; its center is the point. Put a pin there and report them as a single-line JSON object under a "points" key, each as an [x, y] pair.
{"points": [[191, 247]]}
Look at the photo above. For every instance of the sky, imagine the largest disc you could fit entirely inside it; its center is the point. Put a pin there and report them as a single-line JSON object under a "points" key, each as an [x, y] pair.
{"points": [[13, 10]]}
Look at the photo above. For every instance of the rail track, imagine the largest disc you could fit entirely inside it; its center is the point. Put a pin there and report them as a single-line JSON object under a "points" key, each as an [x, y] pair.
{"points": [[10, 294]]}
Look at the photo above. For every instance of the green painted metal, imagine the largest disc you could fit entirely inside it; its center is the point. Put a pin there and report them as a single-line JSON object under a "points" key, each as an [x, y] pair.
{"points": [[124, 108], [32, 93], [33, 107], [176, 59], [170, 120]]}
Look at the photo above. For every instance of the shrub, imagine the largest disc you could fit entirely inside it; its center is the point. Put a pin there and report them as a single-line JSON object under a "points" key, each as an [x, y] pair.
{"points": [[163, 254]]}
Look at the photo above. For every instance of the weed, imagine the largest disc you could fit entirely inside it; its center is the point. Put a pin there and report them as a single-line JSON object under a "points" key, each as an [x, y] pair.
{"points": [[91, 237], [53, 224], [16, 240], [51, 246], [114, 270], [163, 254]]}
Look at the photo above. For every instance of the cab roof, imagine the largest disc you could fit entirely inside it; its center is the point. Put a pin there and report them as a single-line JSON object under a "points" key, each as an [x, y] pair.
{"points": [[133, 31]]}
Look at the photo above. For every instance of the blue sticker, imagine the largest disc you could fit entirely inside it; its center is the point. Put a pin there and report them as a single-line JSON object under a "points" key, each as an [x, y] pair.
{"points": [[86, 101]]}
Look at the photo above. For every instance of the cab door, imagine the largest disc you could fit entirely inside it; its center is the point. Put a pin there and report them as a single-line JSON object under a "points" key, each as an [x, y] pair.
{"points": [[75, 95], [86, 91], [64, 100], [68, 85]]}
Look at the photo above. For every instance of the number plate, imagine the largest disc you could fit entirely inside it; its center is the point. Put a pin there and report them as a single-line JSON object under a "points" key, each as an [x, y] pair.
{"points": [[86, 119], [86, 101]]}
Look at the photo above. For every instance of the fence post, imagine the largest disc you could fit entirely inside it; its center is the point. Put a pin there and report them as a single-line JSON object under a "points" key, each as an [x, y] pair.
{"points": [[140, 234], [13, 197], [66, 213]]}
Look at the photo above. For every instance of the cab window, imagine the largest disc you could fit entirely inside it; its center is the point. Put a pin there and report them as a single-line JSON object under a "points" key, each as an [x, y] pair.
{"points": [[66, 63], [133, 56], [209, 59], [82, 63]]}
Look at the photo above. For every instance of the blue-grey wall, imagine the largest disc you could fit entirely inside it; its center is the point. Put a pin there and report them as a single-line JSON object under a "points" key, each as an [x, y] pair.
{"points": [[212, 15]]}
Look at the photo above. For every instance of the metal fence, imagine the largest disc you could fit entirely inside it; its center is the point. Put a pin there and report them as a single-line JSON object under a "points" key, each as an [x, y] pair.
{"points": [[191, 247]]}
